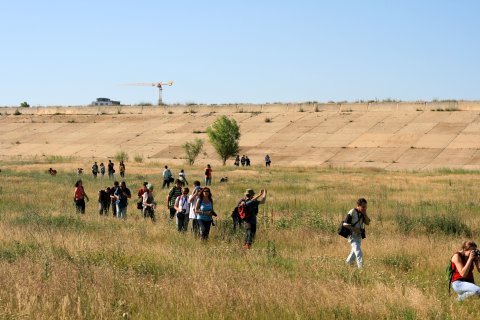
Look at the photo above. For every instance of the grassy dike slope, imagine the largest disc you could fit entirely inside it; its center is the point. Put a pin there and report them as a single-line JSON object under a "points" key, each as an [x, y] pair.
{"points": [[55, 264]]}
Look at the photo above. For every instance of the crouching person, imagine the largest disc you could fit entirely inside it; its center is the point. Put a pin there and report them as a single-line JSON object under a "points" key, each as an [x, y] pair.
{"points": [[463, 263]]}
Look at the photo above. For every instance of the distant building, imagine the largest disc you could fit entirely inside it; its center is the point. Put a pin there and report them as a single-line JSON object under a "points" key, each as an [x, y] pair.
{"points": [[105, 102]]}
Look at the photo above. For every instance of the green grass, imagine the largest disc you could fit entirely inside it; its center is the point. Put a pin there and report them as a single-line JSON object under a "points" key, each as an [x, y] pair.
{"points": [[88, 266]]}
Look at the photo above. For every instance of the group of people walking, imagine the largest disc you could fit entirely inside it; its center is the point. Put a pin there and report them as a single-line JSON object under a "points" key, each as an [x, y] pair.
{"points": [[195, 208], [110, 170]]}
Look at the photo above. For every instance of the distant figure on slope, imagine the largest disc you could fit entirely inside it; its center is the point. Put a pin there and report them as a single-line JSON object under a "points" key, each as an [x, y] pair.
{"points": [[237, 161], [122, 169], [52, 172], [102, 169], [95, 169], [267, 161], [111, 170]]}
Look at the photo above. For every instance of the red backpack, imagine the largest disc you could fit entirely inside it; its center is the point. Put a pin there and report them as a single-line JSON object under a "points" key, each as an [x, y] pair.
{"points": [[243, 210]]}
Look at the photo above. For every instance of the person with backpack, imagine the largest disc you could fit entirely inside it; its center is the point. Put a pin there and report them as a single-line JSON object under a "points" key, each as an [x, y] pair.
{"points": [[208, 175], [247, 211], [140, 193], [174, 193], [355, 221], [462, 264], [167, 175], [182, 207]]}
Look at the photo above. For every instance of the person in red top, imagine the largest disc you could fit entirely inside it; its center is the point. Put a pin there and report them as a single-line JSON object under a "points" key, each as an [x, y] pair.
{"points": [[463, 263], [208, 175], [79, 197]]}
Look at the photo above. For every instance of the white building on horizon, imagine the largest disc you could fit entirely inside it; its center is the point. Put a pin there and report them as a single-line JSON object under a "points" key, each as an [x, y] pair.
{"points": [[105, 102]]}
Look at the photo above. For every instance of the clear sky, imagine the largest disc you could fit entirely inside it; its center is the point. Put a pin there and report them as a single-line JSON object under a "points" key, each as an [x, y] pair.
{"points": [[71, 52]]}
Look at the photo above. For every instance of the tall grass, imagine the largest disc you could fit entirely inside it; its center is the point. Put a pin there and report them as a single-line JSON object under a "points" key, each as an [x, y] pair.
{"points": [[57, 264]]}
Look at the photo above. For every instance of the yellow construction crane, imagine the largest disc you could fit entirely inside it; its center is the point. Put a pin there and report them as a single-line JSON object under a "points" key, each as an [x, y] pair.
{"points": [[159, 85]]}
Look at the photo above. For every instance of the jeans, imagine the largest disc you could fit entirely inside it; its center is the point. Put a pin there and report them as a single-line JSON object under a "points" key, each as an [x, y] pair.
{"points": [[182, 223], [208, 181], [465, 289], [356, 252], [121, 212], [204, 228], [80, 205]]}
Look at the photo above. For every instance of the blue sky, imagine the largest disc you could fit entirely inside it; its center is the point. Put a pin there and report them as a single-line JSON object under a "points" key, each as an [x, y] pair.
{"points": [[71, 52]]}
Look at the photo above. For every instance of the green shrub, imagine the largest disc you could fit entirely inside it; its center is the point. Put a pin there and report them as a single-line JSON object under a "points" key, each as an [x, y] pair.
{"points": [[17, 112], [138, 158], [121, 156], [24, 105]]}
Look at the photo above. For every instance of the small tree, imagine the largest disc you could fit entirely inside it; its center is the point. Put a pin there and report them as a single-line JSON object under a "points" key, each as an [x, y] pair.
{"points": [[24, 105], [193, 149], [224, 134]]}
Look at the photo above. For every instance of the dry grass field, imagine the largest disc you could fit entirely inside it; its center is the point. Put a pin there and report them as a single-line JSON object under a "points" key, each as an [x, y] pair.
{"points": [[55, 264]]}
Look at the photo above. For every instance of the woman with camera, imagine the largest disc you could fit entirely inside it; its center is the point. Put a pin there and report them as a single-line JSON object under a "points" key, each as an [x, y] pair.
{"points": [[204, 210], [182, 207], [463, 263]]}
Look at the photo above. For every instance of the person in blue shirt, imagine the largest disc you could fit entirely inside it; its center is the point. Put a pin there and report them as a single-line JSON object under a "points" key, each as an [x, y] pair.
{"points": [[204, 211]]}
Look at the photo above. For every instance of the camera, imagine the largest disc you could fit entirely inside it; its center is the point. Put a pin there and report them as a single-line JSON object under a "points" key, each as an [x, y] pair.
{"points": [[476, 252]]}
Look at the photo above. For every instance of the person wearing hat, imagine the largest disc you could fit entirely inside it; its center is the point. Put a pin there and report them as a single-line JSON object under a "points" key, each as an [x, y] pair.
{"points": [[148, 203], [251, 207]]}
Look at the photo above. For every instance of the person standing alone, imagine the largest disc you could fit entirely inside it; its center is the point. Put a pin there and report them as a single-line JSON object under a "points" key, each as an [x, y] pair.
{"points": [[208, 175], [355, 221], [167, 176]]}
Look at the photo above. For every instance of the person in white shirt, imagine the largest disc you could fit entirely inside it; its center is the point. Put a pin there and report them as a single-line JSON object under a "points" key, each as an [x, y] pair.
{"points": [[193, 200], [148, 202], [182, 207]]}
